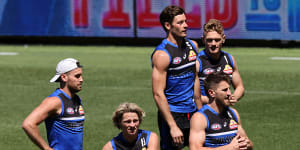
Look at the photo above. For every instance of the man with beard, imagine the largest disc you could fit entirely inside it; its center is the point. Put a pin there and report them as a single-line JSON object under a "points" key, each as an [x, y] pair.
{"points": [[213, 59], [62, 111], [173, 80], [216, 125]]}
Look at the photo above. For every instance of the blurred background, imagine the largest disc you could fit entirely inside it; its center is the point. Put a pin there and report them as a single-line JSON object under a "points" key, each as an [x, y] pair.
{"points": [[114, 39], [263, 22]]}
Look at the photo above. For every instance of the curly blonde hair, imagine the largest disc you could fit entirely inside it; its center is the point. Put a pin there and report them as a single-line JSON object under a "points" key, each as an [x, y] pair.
{"points": [[124, 108], [213, 25]]}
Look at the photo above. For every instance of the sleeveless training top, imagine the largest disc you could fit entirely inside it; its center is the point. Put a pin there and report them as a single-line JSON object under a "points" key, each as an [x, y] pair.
{"points": [[119, 143], [209, 65], [66, 130], [180, 75], [221, 128]]}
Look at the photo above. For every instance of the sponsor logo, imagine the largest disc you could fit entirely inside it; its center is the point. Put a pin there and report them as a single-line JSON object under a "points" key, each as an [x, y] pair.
{"points": [[177, 60], [70, 110], [192, 56], [233, 124], [81, 112], [208, 71], [227, 69], [216, 126]]}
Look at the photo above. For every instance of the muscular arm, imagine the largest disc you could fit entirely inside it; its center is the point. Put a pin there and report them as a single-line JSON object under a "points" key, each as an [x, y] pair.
{"points": [[197, 131], [197, 135], [203, 99], [237, 84], [197, 90], [153, 142], [49, 107], [159, 76]]}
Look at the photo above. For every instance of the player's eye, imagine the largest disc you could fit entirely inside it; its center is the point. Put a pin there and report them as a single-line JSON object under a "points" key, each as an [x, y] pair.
{"points": [[225, 90], [77, 75], [209, 40]]}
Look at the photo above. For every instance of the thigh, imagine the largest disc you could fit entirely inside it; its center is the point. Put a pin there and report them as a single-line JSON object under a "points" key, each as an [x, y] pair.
{"points": [[166, 141]]}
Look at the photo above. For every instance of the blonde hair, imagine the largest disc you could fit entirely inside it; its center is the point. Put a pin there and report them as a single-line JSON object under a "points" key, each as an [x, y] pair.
{"points": [[213, 25], [124, 108]]}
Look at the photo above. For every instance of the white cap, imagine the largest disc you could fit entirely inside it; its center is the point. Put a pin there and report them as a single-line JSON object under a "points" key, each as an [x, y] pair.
{"points": [[64, 66]]}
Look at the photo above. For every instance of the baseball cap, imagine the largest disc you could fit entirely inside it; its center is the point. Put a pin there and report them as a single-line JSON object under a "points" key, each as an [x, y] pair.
{"points": [[65, 66]]}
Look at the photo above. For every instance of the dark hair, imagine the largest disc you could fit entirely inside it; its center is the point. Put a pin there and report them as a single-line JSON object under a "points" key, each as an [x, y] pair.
{"points": [[213, 79], [168, 14], [213, 25]]}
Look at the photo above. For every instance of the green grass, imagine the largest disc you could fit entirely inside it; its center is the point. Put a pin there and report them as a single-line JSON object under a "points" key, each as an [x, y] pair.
{"points": [[269, 109]]}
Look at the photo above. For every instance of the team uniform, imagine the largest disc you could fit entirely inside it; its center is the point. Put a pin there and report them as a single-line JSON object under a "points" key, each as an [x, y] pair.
{"points": [[66, 130], [120, 143], [209, 65], [179, 88], [221, 128]]}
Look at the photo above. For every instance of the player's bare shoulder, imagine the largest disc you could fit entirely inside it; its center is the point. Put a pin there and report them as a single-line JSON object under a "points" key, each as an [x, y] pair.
{"points": [[160, 58]]}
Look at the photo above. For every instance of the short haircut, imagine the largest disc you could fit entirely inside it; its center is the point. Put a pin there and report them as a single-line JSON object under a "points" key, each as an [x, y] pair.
{"points": [[213, 79], [168, 14], [124, 108], [213, 25]]}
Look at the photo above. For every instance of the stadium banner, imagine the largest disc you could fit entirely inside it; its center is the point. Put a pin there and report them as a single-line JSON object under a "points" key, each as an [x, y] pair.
{"points": [[242, 19]]}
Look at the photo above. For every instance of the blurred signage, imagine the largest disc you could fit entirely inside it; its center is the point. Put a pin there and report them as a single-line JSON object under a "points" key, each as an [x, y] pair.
{"points": [[242, 19]]}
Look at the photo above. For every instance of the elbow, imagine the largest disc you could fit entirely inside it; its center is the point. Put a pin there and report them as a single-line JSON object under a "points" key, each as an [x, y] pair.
{"points": [[26, 125], [156, 96]]}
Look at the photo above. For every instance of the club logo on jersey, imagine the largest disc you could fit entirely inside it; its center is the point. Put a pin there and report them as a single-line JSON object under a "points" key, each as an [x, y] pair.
{"points": [[216, 126], [177, 60], [70, 110], [81, 112], [192, 56], [208, 71], [227, 69], [233, 124]]}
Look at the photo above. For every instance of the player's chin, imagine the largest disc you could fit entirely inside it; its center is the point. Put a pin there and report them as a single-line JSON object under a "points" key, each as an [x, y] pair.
{"points": [[132, 132], [214, 49], [227, 102]]}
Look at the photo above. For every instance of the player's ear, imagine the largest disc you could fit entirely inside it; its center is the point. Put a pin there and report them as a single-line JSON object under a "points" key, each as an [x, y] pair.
{"points": [[212, 93], [64, 77], [203, 40], [223, 38], [167, 25]]}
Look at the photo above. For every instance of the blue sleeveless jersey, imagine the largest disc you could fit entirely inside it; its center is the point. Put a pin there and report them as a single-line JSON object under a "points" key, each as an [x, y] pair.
{"points": [[120, 143], [180, 75], [221, 128], [209, 65], [66, 130]]}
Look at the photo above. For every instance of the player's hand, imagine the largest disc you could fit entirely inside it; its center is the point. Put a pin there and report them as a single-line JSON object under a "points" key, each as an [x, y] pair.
{"points": [[244, 143], [234, 144], [233, 100], [177, 135]]}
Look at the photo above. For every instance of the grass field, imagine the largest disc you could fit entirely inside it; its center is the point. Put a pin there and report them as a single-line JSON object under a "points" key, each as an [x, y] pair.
{"points": [[269, 109]]}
